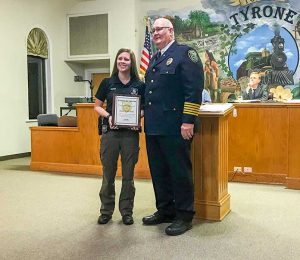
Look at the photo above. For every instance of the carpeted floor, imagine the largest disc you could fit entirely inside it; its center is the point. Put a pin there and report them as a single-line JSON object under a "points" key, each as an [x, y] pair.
{"points": [[53, 216]]}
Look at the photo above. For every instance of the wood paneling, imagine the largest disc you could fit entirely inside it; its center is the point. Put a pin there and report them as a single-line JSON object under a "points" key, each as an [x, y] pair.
{"points": [[76, 149], [265, 137], [293, 179]]}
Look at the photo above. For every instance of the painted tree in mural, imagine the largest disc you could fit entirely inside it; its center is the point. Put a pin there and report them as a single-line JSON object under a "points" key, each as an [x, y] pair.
{"points": [[296, 90], [199, 20], [196, 26], [228, 42], [179, 24]]}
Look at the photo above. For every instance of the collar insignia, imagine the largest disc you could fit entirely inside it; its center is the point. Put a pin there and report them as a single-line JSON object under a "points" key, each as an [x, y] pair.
{"points": [[169, 61]]}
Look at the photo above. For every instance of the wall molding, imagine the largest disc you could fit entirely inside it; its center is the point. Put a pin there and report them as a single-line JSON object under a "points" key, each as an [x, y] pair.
{"points": [[14, 156], [266, 178]]}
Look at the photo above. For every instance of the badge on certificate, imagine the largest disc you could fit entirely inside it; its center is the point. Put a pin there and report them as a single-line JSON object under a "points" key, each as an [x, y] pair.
{"points": [[126, 111]]}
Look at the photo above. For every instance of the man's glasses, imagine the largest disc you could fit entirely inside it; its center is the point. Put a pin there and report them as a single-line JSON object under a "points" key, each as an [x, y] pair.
{"points": [[158, 29]]}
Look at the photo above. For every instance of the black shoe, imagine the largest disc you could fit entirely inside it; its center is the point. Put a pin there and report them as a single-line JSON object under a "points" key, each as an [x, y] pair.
{"points": [[103, 219], [178, 227], [127, 220], [156, 218]]}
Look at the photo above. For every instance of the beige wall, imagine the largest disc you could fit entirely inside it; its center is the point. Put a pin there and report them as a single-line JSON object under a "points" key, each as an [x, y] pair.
{"points": [[121, 22], [18, 17]]}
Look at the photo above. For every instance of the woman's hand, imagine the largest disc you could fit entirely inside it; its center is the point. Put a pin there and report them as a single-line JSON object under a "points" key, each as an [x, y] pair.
{"points": [[135, 128], [110, 123]]}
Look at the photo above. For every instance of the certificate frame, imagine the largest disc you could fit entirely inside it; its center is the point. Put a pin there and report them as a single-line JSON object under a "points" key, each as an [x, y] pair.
{"points": [[126, 110]]}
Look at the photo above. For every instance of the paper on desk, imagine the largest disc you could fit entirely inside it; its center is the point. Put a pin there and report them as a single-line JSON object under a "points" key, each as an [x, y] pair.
{"points": [[247, 101], [215, 107], [292, 101]]}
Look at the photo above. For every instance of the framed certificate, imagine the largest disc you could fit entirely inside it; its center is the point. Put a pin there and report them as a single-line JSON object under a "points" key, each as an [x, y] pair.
{"points": [[126, 111]]}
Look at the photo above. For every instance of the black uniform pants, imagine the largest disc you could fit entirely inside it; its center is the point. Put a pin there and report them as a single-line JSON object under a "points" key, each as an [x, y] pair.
{"points": [[171, 172], [114, 143]]}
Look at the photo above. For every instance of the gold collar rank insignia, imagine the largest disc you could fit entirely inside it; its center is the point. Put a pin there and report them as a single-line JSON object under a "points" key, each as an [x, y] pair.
{"points": [[193, 56], [169, 61]]}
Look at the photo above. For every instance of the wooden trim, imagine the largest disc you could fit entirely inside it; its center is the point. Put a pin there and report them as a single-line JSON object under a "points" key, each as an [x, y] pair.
{"points": [[85, 105], [216, 114], [266, 178], [63, 167], [139, 173], [14, 156], [212, 210], [55, 128], [293, 183], [264, 105]]}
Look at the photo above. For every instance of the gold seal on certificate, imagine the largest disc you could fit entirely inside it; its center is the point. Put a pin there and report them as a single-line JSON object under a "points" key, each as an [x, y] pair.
{"points": [[126, 112]]}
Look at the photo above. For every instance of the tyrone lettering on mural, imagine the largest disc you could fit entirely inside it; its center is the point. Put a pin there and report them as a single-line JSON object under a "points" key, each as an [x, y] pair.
{"points": [[268, 11]]}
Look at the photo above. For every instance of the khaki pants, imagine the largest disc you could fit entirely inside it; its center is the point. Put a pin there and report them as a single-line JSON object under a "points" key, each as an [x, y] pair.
{"points": [[113, 143]]}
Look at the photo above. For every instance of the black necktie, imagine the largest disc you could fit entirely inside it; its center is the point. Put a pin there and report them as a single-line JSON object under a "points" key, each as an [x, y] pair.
{"points": [[250, 93], [158, 55], [253, 94]]}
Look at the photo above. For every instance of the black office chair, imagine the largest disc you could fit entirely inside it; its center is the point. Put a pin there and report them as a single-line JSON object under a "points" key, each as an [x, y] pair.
{"points": [[47, 120]]}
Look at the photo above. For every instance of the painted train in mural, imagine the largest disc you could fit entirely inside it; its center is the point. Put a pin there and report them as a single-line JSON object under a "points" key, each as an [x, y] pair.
{"points": [[272, 65]]}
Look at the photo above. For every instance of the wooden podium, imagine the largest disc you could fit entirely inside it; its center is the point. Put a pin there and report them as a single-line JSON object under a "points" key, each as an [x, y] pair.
{"points": [[210, 161]]}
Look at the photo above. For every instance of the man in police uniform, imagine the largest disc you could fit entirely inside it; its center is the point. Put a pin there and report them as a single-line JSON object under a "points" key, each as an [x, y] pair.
{"points": [[174, 84]]}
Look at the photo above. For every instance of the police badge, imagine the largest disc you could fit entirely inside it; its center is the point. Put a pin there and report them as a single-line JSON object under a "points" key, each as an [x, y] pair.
{"points": [[193, 56], [134, 91]]}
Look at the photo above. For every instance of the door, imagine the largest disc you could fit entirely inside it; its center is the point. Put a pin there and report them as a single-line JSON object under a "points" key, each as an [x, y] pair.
{"points": [[96, 80]]}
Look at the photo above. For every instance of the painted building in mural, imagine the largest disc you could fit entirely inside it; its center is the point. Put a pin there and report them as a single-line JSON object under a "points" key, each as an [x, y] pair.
{"points": [[234, 38]]}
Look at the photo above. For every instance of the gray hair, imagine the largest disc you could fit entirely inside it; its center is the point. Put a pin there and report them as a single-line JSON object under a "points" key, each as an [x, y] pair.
{"points": [[167, 23]]}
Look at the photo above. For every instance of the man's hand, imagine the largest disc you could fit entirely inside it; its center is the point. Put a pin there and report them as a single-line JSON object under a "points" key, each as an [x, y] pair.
{"points": [[187, 131]]}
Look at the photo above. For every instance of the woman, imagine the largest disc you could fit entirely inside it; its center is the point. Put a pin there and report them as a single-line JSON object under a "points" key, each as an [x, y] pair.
{"points": [[211, 71], [124, 80]]}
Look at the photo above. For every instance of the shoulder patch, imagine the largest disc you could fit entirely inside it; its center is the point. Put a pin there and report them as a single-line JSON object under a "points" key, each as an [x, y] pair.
{"points": [[193, 56]]}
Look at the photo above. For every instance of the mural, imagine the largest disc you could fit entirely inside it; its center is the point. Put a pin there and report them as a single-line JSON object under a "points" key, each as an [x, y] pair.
{"points": [[235, 38]]}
